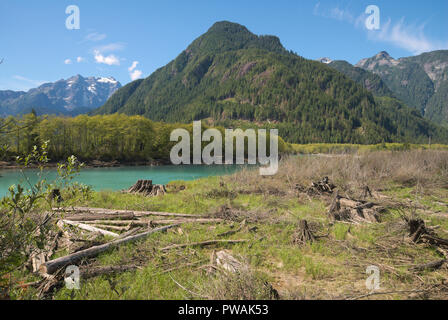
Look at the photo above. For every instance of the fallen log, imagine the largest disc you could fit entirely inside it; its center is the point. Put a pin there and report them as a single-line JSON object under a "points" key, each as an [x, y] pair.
{"points": [[145, 223], [428, 266], [136, 213], [90, 228], [52, 266], [107, 227], [99, 216], [201, 244]]}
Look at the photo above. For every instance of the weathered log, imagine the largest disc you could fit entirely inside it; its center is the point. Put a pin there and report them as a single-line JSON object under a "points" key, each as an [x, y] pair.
{"points": [[228, 262], [145, 223], [202, 244], [90, 228], [52, 266], [107, 227], [100, 216], [136, 213]]}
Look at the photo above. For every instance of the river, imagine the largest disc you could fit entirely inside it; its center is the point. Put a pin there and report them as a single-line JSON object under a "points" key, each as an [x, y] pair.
{"points": [[121, 177]]}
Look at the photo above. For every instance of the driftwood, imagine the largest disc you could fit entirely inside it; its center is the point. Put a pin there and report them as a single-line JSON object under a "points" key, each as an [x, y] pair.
{"points": [[147, 188], [202, 244], [303, 235], [90, 228], [52, 266]]}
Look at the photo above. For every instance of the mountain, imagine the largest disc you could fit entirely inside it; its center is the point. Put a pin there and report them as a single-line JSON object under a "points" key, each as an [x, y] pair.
{"points": [[73, 96], [367, 79], [420, 81], [230, 74]]}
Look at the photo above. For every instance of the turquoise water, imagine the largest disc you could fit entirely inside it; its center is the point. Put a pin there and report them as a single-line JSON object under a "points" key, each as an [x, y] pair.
{"points": [[122, 177]]}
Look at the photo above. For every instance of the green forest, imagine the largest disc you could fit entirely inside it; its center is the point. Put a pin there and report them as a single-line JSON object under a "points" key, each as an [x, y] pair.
{"points": [[105, 138]]}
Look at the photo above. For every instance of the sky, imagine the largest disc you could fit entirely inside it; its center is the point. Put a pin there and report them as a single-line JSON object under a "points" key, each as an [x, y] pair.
{"points": [[131, 39]]}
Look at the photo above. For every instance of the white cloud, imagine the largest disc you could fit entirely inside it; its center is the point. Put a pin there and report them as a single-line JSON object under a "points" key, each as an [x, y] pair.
{"points": [[67, 61], [80, 59], [408, 37], [136, 74], [134, 65], [95, 36], [109, 60], [133, 72], [117, 46]]}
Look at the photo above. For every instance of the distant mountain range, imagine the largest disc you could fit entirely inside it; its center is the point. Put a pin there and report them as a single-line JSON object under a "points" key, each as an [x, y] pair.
{"points": [[229, 74], [73, 96], [421, 82]]}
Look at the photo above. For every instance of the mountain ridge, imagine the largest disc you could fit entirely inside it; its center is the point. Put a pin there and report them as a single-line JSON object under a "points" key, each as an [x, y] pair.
{"points": [[228, 74], [71, 96], [420, 81]]}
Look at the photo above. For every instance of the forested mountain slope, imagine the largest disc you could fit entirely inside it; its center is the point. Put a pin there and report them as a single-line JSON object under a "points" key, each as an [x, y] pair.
{"points": [[231, 74]]}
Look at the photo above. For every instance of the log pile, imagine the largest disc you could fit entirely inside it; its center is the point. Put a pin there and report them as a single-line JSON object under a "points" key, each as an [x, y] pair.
{"points": [[87, 232], [146, 188], [121, 225]]}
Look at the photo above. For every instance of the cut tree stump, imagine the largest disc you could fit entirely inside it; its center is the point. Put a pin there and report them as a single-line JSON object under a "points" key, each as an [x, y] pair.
{"points": [[303, 235], [147, 188], [354, 211], [321, 187]]}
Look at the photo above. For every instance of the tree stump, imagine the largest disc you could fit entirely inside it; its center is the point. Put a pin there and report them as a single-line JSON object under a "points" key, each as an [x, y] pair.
{"points": [[56, 195], [147, 188], [303, 234], [343, 209], [321, 187]]}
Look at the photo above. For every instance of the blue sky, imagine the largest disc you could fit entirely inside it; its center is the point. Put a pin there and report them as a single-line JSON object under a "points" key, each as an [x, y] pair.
{"points": [[131, 39]]}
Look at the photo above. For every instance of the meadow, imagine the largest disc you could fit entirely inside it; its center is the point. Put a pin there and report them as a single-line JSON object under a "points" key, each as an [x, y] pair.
{"points": [[265, 212]]}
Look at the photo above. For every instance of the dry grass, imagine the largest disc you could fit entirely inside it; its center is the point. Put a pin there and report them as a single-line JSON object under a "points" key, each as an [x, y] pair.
{"points": [[422, 168]]}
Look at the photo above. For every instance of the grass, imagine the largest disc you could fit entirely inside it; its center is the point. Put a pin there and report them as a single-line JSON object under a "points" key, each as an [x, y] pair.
{"points": [[333, 267]]}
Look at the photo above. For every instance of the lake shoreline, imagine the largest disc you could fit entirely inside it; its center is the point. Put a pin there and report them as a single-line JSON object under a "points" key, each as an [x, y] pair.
{"points": [[12, 165]]}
